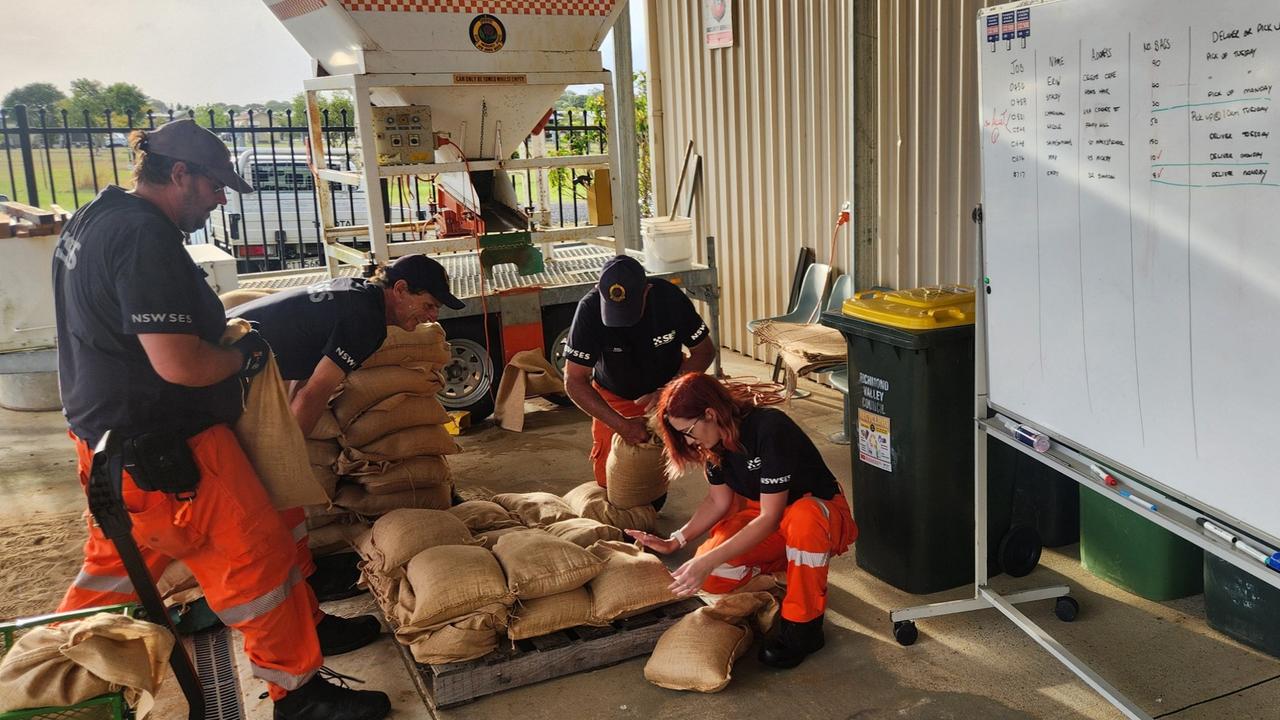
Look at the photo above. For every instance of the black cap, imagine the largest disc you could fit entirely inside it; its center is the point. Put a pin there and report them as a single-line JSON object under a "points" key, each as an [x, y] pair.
{"points": [[185, 140], [423, 274], [622, 284]]}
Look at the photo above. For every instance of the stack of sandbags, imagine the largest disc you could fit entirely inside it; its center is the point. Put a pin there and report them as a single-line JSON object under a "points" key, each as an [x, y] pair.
{"points": [[547, 576], [446, 596], [698, 652], [392, 426], [452, 582], [589, 500], [636, 474], [323, 448]]}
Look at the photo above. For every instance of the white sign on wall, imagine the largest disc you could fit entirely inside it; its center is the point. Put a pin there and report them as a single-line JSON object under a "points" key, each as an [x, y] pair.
{"points": [[717, 21]]}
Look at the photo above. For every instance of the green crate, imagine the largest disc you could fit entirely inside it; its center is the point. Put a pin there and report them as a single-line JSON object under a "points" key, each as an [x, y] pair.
{"points": [[103, 707]]}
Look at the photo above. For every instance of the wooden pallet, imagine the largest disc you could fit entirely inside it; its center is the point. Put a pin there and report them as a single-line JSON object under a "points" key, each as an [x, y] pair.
{"points": [[561, 653]]}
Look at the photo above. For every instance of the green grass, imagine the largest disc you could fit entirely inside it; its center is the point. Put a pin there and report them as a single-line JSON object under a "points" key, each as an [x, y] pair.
{"points": [[93, 171], [54, 173]]}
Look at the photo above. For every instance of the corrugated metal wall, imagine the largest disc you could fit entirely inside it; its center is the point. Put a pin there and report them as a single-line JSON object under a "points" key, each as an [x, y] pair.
{"points": [[926, 144], [772, 118]]}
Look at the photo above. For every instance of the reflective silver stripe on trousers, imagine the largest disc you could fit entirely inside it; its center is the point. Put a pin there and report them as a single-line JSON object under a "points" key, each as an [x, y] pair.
{"points": [[826, 511], [104, 583], [734, 572], [281, 678], [804, 557], [299, 531], [262, 604]]}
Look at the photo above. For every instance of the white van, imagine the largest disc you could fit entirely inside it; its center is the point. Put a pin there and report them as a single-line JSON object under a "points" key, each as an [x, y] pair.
{"points": [[281, 219]]}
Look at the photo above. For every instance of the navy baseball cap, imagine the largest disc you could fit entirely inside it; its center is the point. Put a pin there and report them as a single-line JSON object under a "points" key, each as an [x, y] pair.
{"points": [[422, 274], [185, 140], [622, 284]]}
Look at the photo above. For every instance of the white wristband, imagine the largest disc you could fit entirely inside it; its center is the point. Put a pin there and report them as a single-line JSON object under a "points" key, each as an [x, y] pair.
{"points": [[678, 536]]}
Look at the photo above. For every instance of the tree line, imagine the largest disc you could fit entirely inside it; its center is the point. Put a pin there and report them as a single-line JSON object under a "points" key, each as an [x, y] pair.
{"points": [[124, 99]]}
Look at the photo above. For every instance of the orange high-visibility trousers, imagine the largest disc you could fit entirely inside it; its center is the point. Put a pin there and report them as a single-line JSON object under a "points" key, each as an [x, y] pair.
{"points": [[295, 521], [811, 533], [236, 546], [602, 435]]}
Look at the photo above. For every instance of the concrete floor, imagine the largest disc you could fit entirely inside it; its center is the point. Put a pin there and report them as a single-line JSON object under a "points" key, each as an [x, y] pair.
{"points": [[977, 665]]}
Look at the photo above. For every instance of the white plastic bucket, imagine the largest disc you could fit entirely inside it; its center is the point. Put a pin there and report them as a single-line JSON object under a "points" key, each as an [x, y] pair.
{"points": [[668, 243]]}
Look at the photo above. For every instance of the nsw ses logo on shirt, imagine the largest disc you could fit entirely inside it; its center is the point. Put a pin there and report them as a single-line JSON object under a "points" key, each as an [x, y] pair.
{"points": [[753, 464], [664, 339]]}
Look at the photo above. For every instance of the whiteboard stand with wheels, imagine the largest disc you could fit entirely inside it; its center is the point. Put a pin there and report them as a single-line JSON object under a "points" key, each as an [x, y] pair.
{"points": [[1128, 269]]}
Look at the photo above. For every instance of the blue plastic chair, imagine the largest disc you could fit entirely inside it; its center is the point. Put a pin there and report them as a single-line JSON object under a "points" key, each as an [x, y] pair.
{"points": [[808, 304], [841, 290], [812, 290]]}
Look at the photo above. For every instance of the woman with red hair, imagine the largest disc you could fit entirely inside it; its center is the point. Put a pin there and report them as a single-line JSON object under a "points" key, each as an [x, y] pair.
{"points": [[772, 504]]}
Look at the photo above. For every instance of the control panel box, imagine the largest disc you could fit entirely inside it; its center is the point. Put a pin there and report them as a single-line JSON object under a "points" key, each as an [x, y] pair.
{"points": [[403, 135]]}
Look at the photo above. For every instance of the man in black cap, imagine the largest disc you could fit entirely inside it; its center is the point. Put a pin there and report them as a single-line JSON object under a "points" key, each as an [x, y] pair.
{"points": [[319, 334], [138, 355], [626, 342], [322, 332]]}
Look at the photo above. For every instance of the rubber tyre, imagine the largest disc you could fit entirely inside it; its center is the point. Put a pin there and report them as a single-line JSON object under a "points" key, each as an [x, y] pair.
{"points": [[1020, 550]]}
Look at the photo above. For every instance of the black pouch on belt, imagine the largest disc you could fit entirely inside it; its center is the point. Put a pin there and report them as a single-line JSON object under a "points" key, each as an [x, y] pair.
{"points": [[162, 461]]}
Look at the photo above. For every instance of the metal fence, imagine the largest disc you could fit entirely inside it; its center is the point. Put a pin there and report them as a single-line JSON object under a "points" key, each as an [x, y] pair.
{"points": [[50, 161]]}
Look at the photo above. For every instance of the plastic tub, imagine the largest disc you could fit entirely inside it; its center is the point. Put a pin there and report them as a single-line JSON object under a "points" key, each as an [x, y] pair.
{"points": [[668, 243]]}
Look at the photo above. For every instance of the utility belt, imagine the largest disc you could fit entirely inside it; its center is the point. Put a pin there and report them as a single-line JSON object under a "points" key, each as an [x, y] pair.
{"points": [[161, 461]]}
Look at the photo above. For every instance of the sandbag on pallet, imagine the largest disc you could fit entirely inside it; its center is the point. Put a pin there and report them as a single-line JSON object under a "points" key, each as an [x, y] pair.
{"points": [[450, 581], [484, 515], [590, 501], [465, 638], [535, 509], [545, 615], [631, 582], [538, 564], [584, 532], [401, 534]]}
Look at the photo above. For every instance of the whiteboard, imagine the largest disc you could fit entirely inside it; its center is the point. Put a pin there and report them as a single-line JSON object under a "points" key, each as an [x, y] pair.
{"points": [[1131, 194]]}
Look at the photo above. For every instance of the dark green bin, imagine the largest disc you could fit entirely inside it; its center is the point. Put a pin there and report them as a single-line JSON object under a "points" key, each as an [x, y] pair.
{"points": [[1131, 552]]}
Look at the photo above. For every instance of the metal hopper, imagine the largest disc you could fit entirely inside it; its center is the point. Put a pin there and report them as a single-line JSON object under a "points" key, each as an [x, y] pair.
{"points": [[484, 46]]}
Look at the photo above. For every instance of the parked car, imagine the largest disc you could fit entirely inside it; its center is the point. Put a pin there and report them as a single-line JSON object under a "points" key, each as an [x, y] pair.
{"points": [[278, 225]]}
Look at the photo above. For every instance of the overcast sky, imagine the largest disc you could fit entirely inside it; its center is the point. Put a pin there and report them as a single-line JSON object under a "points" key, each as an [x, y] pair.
{"points": [[183, 51]]}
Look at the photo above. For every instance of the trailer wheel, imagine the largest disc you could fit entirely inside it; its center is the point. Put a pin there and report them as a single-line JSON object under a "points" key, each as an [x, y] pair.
{"points": [[471, 375], [555, 332], [556, 355]]}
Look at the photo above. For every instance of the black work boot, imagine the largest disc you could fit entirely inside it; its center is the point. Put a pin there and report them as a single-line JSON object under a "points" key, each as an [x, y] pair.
{"points": [[335, 577], [795, 641], [342, 635], [320, 700]]}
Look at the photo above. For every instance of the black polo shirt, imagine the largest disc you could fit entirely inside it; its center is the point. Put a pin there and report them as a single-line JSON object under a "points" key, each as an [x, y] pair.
{"points": [[343, 319], [633, 361], [777, 457], [120, 270]]}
